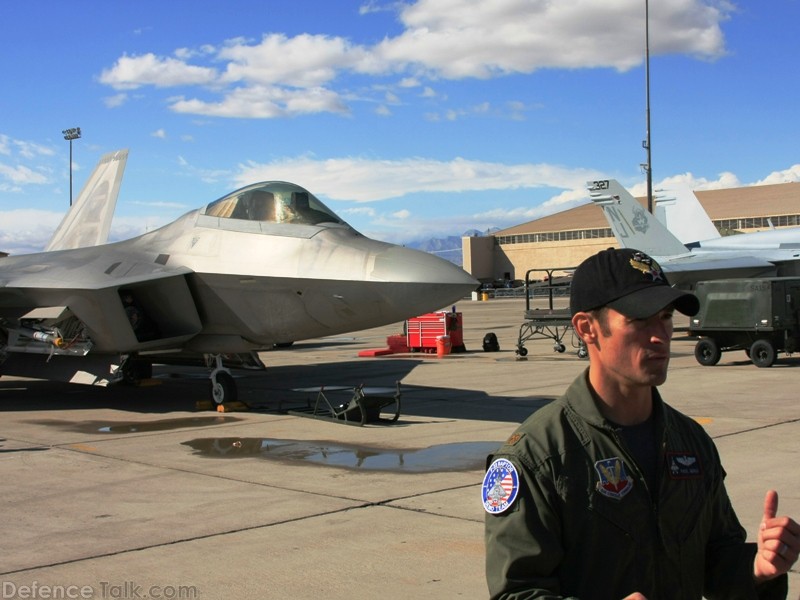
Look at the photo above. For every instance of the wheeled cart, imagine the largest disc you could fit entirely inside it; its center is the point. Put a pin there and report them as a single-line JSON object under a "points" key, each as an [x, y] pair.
{"points": [[547, 323], [759, 316]]}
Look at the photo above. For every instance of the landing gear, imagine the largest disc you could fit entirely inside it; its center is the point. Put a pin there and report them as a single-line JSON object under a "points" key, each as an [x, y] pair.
{"points": [[223, 387]]}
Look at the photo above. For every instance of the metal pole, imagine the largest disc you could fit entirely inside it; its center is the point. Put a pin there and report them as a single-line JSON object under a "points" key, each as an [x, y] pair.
{"points": [[71, 134], [649, 167], [70, 171]]}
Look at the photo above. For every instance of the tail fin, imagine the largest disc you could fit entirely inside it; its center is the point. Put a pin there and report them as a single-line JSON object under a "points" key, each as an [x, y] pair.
{"points": [[680, 210], [89, 219], [632, 225]]}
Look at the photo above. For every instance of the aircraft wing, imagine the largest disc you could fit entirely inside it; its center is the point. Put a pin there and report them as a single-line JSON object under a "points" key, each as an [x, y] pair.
{"points": [[687, 270], [88, 221], [83, 293]]}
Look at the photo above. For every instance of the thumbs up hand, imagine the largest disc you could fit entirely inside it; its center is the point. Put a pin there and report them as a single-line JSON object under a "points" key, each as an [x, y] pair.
{"points": [[778, 542]]}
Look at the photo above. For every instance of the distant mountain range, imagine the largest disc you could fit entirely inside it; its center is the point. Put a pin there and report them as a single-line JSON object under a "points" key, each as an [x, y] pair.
{"points": [[448, 247]]}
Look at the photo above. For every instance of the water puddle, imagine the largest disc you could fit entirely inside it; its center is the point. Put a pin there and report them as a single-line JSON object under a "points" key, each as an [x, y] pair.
{"points": [[138, 426], [461, 456]]}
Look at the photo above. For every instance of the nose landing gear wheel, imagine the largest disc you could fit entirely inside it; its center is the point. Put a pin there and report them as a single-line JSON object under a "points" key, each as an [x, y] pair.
{"points": [[223, 388]]}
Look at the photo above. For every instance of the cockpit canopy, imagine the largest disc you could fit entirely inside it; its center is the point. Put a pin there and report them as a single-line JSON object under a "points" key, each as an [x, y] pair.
{"points": [[273, 202]]}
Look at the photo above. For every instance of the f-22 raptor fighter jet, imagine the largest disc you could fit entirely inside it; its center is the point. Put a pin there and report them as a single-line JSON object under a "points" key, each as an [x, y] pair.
{"points": [[265, 265]]}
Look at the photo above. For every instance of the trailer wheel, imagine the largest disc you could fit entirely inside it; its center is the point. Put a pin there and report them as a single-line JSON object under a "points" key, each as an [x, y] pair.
{"points": [[762, 353], [707, 352]]}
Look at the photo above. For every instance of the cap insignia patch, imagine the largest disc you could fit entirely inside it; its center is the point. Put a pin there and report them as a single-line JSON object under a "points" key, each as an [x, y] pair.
{"points": [[645, 264]]}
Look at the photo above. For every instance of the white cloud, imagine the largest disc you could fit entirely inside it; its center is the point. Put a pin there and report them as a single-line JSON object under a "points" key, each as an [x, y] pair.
{"points": [[365, 211], [450, 39], [460, 38], [27, 230], [131, 72], [370, 179], [304, 61], [790, 175], [115, 100], [21, 175], [160, 134], [264, 102]]}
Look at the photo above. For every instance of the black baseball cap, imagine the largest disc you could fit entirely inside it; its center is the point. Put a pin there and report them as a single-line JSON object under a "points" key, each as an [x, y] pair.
{"points": [[630, 282]]}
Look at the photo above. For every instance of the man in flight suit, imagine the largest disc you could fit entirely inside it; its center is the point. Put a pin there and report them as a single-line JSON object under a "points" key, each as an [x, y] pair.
{"points": [[610, 493]]}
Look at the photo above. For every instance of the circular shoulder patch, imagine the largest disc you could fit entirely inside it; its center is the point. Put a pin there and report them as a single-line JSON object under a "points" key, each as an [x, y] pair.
{"points": [[500, 486]]}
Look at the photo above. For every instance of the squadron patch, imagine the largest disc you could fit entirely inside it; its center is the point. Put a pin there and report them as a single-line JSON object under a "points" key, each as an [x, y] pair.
{"points": [[500, 486], [614, 480], [683, 465]]}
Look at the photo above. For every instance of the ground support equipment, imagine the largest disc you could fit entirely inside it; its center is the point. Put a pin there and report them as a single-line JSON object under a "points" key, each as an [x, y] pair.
{"points": [[361, 408]]}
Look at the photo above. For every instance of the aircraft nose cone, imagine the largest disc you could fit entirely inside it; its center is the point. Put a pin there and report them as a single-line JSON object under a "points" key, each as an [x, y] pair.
{"points": [[421, 281]]}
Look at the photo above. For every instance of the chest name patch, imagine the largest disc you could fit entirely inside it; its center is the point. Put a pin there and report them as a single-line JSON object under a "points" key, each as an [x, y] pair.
{"points": [[683, 465], [614, 481], [500, 486]]}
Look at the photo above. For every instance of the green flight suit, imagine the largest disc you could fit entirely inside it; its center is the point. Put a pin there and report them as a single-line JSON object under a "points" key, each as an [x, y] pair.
{"points": [[584, 524]]}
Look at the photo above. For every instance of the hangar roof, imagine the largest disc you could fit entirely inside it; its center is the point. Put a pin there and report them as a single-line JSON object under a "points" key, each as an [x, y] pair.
{"points": [[731, 203]]}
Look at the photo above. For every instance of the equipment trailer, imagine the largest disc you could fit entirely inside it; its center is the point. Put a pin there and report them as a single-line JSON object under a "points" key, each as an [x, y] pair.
{"points": [[759, 316]]}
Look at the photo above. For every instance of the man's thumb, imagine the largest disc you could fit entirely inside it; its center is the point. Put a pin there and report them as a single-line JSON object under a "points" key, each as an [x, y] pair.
{"points": [[770, 505]]}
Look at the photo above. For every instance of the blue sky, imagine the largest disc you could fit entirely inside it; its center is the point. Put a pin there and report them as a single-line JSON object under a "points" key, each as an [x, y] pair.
{"points": [[410, 120]]}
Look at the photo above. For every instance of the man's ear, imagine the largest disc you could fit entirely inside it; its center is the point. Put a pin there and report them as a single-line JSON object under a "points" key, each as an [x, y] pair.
{"points": [[585, 327]]}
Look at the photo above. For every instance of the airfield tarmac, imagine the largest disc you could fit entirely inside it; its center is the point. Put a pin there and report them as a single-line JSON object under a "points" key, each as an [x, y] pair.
{"points": [[135, 492]]}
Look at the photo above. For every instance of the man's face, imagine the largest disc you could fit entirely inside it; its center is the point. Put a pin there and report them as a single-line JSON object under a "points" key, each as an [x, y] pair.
{"points": [[633, 352]]}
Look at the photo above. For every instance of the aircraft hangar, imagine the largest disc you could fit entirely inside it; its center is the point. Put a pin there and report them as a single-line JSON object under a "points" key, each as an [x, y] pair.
{"points": [[566, 238]]}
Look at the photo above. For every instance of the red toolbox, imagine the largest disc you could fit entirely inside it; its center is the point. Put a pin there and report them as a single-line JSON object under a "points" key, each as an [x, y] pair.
{"points": [[422, 331]]}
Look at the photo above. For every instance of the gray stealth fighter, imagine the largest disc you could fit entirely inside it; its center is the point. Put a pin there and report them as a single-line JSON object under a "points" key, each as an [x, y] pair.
{"points": [[266, 265]]}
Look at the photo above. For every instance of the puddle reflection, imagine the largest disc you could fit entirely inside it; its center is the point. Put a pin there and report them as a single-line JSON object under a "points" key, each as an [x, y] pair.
{"points": [[462, 456], [137, 426]]}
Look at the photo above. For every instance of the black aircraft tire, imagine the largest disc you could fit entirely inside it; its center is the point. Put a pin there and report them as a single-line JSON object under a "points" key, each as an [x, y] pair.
{"points": [[762, 353], [707, 352]]}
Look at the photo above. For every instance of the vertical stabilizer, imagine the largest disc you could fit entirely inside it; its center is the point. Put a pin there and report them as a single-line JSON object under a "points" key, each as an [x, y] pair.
{"points": [[88, 221], [679, 209], [632, 225]]}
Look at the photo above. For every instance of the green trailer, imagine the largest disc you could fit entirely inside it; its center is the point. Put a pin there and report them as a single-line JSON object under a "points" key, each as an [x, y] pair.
{"points": [[759, 316]]}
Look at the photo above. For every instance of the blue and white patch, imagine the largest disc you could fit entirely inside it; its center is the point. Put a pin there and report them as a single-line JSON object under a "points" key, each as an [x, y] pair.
{"points": [[614, 481], [500, 486]]}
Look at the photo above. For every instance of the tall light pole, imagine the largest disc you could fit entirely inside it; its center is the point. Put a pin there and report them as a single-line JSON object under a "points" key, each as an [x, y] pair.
{"points": [[71, 134], [648, 166]]}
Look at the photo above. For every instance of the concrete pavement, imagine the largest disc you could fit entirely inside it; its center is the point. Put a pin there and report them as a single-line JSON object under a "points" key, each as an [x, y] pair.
{"points": [[134, 492]]}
